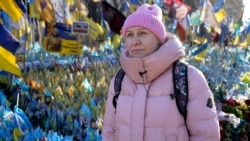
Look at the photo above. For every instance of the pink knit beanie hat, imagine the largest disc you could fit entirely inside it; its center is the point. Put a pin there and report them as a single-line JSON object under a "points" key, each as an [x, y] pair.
{"points": [[149, 17]]}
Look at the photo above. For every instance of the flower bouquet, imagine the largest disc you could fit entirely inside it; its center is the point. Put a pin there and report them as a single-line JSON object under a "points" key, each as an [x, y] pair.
{"points": [[235, 125]]}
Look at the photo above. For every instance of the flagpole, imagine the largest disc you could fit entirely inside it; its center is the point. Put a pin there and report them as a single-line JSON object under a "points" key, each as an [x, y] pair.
{"points": [[78, 36], [17, 101]]}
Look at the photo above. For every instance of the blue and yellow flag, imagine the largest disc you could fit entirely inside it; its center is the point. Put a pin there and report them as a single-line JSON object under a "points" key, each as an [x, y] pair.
{"points": [[219, 10], [126, 8], [218, 5], [135, 2], [133, 5], [207, 14], [106, 27], [201, 52], [8, 46], [246, 42], [21, 5], [12, 9]]}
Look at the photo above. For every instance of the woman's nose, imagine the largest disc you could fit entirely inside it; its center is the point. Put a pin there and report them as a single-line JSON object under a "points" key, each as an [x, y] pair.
{"points": [[135, 40]]}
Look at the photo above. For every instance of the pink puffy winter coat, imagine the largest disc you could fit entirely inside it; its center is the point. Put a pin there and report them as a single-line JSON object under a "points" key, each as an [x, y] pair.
{"points": [[145, 110]]}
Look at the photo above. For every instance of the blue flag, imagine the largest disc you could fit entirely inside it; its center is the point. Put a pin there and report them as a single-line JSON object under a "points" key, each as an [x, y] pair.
{"points": [[8, 47]]}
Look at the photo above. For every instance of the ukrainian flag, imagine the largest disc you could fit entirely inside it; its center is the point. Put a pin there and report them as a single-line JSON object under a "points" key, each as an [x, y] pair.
{"points": [[21, 5], [135, 2], [133, 5], [12, 9], [219, 10], [201, 52], [8, 46], [207, 15]]}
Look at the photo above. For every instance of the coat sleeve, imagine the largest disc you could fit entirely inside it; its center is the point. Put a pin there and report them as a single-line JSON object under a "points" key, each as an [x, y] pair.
{"points": [[202, 121], [108, 130]]}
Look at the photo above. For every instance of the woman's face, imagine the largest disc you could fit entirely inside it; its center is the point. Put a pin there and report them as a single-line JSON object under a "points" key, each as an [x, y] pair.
{"points": [[140, 42]]}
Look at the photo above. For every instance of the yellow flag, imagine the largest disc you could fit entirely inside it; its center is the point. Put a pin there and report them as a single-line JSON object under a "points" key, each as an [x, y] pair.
{"points": [[220, 15], [8, 62], [116, 41], [246, 42], [94, 28], [236, 40], [248, 39], [17, 133]]}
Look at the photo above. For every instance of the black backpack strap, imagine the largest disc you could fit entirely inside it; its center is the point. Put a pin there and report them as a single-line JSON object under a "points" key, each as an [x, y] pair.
{"points": [[117, 85], [180, 81]]}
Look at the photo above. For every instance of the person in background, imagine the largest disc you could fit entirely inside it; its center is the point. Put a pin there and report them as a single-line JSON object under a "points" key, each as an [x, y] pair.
{"points": [[145, 110], [176, 11], [54, 42], [177, 8]]}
